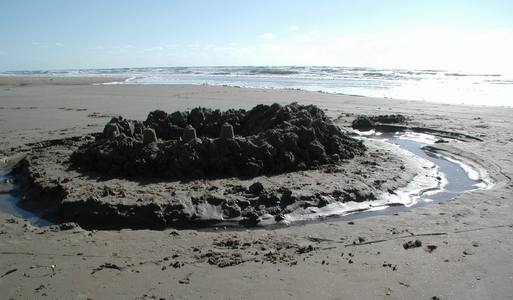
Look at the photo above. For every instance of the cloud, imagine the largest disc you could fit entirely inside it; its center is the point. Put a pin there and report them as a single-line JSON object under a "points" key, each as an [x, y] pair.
{"points": [[465, 51], [293, 28], [154, 49], [40, 45], [267, 36], [433, 48], [46, 45], [116, 49], [440, 48]]}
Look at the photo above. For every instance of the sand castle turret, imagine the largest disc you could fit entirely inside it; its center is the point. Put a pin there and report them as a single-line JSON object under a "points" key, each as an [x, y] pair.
{"points": [[149, 136], [111, 131], [189, 133], [226, 132]]}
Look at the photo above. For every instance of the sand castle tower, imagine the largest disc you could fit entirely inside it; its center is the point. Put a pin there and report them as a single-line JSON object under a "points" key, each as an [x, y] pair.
{"points": [[189, 133], [149, 136], [111, 131], [226, 132]]}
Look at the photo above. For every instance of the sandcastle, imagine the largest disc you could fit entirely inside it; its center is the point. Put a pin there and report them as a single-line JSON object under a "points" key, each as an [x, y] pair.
{"points": [[205, 143], [203, 165]]}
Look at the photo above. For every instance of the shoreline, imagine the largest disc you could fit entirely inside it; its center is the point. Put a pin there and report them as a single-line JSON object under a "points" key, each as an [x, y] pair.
{"points": [[115, 80], [472, 233]]}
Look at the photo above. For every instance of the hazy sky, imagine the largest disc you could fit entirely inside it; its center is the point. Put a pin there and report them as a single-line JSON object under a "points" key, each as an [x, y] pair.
{"points": [[450, 34]]}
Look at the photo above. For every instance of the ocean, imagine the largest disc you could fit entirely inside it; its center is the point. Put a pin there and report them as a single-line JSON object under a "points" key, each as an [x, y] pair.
{"points": [[426, 85]]}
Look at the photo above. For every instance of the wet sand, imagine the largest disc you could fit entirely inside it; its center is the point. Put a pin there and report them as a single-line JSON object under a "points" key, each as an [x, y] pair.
{"points": [[363, 259]]}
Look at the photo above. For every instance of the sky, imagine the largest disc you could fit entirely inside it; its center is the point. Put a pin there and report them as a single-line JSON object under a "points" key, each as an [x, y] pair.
{"points": [[473, 36]]}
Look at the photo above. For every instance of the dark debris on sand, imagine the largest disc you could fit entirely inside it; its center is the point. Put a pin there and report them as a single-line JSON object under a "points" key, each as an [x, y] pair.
{"points": [[412, 244]]}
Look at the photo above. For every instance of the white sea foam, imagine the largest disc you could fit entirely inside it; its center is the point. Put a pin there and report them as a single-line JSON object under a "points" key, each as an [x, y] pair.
{"points": [[473, 171], [427, 85], [423, 138], [371, 132]]}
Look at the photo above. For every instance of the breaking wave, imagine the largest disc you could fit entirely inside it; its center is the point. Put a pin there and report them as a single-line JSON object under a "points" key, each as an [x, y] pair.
{"points": [[424, 84]]}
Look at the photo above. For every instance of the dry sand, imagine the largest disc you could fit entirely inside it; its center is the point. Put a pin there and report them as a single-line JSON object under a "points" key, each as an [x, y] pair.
{"points": [[473, 233]]}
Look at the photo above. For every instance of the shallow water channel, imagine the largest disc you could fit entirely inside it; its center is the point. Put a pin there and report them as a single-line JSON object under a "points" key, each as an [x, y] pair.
{"points": [[457, 180], [9, 201]]}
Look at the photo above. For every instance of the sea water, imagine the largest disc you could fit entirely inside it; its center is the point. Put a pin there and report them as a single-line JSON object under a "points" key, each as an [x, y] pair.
{"points": [[443, 86]]}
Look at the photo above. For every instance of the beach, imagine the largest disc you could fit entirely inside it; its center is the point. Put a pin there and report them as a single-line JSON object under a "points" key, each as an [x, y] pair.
{"points": [[466, 249]]}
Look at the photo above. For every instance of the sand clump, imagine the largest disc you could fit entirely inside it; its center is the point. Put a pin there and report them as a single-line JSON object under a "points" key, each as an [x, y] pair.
{"points": [[364, 122]]}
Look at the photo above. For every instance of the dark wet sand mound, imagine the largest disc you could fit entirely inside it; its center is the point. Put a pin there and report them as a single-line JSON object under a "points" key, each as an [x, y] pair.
{"points": [[205, 143]]}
